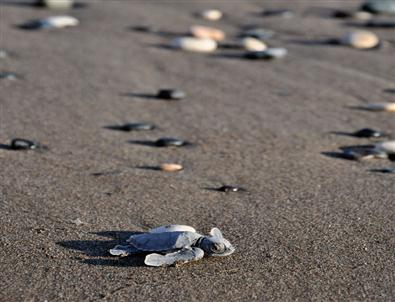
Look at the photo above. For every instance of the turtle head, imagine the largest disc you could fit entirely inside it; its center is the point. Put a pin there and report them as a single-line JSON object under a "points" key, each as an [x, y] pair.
{"points": [[216, 245]]}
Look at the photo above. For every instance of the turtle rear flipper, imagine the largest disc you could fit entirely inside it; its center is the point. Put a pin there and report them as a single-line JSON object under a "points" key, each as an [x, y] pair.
{"points": [[124, 250], [182, 256]]}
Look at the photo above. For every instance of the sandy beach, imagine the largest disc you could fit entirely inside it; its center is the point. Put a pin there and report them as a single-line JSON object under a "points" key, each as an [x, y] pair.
{"points": [[309, 227]]}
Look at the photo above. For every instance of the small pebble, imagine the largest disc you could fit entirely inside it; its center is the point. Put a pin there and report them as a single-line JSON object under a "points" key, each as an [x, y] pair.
{"points": [[171, 94], [388, 147], [8, 75], [389, 107], [194, 44], [284, 13], [360, 39], [58, 4], [205, 32], [133, 127], [171, 167], [211, 14], [23, 144], [253, 44], [379, 6], [230, 189], [170, 142], [51, 22], [367, 132], [268, 54], [258, 33]]}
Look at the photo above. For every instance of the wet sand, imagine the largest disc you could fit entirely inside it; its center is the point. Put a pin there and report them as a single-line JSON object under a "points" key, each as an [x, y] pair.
{"points": [[310, 227]]}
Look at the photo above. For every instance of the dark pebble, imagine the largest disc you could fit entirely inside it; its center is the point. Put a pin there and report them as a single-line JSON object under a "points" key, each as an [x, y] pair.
{"points": [[133, 127], [342, 14], [230, 189], [367, 132], [23, 144], [285, 13], [170, 142], [385, 170], [171, 94]]}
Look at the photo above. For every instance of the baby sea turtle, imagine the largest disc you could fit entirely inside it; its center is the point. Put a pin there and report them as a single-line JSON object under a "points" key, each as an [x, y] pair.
{"points": [[174, 244]]}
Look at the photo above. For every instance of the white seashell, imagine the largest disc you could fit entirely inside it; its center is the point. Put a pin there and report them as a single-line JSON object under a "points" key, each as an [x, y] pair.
{"points": [[173, 228], [390, 107], [361, 15], [205, 32], [387, 147], [58, 4], [212, 14], [360, 39], [59, 22], [253, 44], [171, 167], [194, 44]]}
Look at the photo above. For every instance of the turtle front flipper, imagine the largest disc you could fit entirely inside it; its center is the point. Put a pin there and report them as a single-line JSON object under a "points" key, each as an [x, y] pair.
{"points": [[124, 250], [180, 257]]}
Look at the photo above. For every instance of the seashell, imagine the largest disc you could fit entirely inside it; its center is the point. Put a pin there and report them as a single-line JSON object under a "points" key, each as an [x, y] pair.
{"points": [[211, 14], [170, 142], [387, 147], [205, 32], [173, 228], [58, 4], [59, 22], [367, 132], [379, 6], [360, 39], [6, 75], [390, 107], [361, 15], [132, 127], [227, 188], [253, 44], [171, 167], [171, 94], [194, 44], [268, 54], [23, 144]]}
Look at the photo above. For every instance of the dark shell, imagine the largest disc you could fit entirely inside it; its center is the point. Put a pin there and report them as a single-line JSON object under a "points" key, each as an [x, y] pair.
{"points": [[342, 14], [6, 75], [278, 13], [227, 188], [170, 142], [23, 144], [171, 94], [367, 132], [132, 127]]}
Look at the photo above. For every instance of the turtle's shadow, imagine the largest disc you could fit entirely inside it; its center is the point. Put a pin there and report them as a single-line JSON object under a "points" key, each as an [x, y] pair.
{"points": [[98, 250]]}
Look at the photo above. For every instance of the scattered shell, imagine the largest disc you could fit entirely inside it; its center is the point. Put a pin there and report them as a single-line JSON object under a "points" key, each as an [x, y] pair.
{"points": [[388, 147], [211, 14], [367, 132], [230, 189], [253, 44], [58, 4], [170, 142], [6, 75], [51, 22], [390, 107], [379, 6], [285, 13], [205, 32], [171, 167], [270, 53], [258, 33], [194, 44], [360, 39], [23, 144], [132, 127], [171, 94]]}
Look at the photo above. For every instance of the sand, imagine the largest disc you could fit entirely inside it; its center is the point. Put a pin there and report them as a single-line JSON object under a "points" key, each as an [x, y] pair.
{"points": [[310, 227]]}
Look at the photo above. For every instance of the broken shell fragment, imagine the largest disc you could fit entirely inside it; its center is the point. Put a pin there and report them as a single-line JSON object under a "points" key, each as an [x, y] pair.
{"points": [[205, 32], [227, 188], [58, 4], [211, 14], [253, 44], [51, 22], [194, 44], [171, 167], [387, 147], [360, 39], [23, 144], [6, 75], [170, 142], [171, 94], [367, 132], [268, 54], [390, 107]]}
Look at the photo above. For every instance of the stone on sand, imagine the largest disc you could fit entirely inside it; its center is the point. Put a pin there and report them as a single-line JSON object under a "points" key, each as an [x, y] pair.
{"points": [[205, 32], [194, 44], [360, 39], [211, 14]]}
